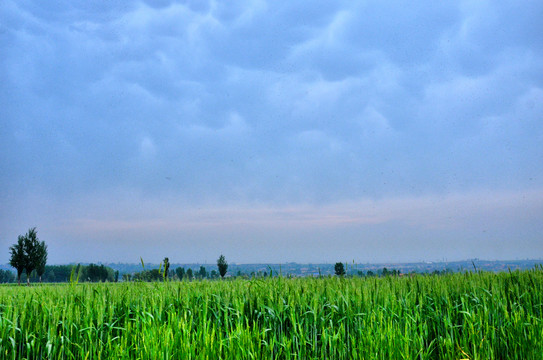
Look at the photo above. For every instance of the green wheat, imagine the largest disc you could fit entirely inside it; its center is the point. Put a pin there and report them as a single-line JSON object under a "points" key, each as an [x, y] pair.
{"points": [[464, 315]]}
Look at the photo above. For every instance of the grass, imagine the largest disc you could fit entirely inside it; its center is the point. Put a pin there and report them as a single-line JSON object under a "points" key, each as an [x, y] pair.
{"points": [[457, 316]]}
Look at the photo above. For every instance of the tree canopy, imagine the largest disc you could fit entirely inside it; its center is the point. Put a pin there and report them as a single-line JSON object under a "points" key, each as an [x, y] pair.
{"points": [[28, 254], [222, 265], [339, 268]]}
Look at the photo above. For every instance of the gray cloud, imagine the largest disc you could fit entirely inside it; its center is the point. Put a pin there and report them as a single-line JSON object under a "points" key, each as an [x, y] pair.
{"points": [[268, 103]]}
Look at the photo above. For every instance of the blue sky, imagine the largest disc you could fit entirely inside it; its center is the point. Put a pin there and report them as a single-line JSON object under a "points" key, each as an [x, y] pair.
{"points": [[277, 131]]}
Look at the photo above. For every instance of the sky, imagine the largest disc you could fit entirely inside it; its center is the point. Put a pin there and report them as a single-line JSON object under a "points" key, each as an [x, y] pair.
{"points": [[272, 131]]}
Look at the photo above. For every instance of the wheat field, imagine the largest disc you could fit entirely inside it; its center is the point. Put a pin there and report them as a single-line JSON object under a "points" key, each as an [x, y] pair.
{"points": [[456, 316]]}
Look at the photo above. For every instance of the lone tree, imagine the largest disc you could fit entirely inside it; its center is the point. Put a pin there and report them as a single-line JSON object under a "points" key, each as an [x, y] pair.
{"points": [[28, 254], [222, 265], [166, 267], [339, 269], [18, 259]]}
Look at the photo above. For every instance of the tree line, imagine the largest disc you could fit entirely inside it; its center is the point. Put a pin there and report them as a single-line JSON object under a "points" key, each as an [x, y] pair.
{"points": [[29, 258], [63, 273], [179, 273], [339, 270]]}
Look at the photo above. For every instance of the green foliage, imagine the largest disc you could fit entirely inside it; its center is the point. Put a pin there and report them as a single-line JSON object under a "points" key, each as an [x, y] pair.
{"points": [[453, 316], [96, 273], [6, 276], [149, 275], [222, 265], [202, 273], [41, 259], [180, 272], [76, 273], [28, 254], [339, 269], [32, 250], [57, 273], [18, 257]]}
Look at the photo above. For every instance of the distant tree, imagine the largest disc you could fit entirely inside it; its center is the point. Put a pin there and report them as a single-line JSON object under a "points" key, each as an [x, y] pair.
{"points": [[154, 275], [339, 268], [166, 267], [214, 274], [18, 258], [385, 272], [117, 276], [180, 272], [41, 260], [57, 273], [222, 265], [6, 276], [96, 273], [370, 273], [149, 275], [202, 273], [91, 272], [189, 274]]}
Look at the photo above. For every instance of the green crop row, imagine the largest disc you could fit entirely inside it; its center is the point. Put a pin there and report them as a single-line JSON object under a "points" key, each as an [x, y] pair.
{"points": [[457, 316]]}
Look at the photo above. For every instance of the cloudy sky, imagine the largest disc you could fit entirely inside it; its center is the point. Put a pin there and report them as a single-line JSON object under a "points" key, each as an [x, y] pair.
{"points": [[307, 131]]}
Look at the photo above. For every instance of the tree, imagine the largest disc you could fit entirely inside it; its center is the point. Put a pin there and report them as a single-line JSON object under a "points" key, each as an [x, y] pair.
{"points": [[18, 258], [222, 265], [202, 273], [180, 272], [28, 254], [189, 273], [339, 269], [166, 267], [41, 260]]}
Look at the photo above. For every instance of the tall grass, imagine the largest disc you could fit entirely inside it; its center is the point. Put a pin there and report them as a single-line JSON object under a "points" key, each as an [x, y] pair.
{"points": [[470, 315]]}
